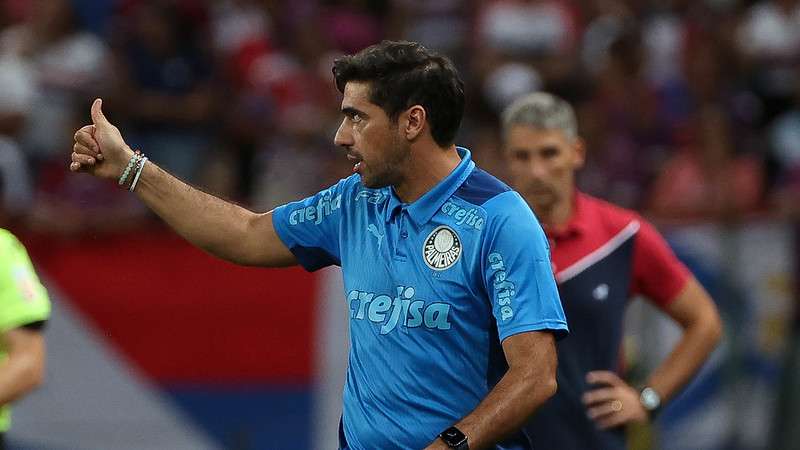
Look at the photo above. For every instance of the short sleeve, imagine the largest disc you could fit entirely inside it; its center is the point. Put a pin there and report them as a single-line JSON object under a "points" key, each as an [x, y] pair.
{"points": [[23, 298], [657, 272], [518, 275], [310, 228]]}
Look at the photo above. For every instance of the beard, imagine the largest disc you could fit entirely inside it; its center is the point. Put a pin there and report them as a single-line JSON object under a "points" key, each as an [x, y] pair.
{"points": [[542, 198], [386, 171]]}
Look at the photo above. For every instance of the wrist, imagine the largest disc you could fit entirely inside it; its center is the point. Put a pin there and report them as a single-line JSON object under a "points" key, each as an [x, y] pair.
{"points": [[651, 401], [438, 444], [121, 163], [126, 177], [454, 438], [129, 177]]}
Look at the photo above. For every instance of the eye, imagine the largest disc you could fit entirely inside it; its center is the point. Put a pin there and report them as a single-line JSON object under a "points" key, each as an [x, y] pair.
{"points": [[549, 152], [520, 156], [354, 117]]}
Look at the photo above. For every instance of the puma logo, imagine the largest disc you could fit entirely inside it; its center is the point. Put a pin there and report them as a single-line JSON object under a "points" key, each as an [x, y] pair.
{"points": [[374, 231]]}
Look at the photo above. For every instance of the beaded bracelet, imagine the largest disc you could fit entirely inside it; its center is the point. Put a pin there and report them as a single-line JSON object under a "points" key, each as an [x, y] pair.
{"points": [[138, 173], [135, 169], [137, 155], [129, 179]]}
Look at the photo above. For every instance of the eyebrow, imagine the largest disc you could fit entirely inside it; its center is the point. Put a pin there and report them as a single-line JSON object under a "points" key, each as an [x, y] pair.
{"points": [[543, 148], [350, 111]]}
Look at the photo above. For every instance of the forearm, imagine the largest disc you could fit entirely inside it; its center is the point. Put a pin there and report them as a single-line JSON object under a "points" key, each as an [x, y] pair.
{"points": [[221, 228], [17, 378], [23, 368], [218, 227], [506, 408], [684, 361], [696, 313]]}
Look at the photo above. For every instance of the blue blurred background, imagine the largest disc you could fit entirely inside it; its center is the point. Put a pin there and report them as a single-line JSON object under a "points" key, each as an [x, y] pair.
{"points": [[691, 112]]}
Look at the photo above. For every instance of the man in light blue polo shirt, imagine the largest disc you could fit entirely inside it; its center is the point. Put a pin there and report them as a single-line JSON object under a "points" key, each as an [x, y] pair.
{"points": [[452, 301], [433, 287]]}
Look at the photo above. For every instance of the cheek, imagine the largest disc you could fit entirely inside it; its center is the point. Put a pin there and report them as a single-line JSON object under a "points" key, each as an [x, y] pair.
{"points": [[518, 171], [356, 132], [517, 166], [561, 172], [521, 177], [366, 135]]}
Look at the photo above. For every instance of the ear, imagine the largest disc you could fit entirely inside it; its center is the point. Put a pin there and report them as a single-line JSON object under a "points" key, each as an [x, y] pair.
{"points": [[414, 122], [580, 152]]}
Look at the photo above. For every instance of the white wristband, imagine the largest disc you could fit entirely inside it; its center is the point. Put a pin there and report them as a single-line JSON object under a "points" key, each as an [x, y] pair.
{"points": [[138, 174]]}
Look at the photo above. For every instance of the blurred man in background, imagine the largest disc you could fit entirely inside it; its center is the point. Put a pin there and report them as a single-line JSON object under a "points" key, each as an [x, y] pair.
{"points": [[602, 256], [416, 220], [24, 308]]}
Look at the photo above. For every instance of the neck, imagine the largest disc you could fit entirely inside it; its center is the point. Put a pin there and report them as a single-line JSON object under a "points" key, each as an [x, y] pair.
{"points": [[556, 215], [427, 166]]}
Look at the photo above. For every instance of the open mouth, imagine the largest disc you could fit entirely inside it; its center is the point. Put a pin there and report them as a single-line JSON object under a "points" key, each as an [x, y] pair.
{"points": [[356, 162]]}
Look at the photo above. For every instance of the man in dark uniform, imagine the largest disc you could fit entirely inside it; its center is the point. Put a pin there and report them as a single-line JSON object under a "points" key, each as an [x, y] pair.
{"points": [[603, 255]]}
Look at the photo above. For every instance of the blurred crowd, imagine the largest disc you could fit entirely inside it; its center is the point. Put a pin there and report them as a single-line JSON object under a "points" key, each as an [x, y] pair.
{"points": [[690, 108]]}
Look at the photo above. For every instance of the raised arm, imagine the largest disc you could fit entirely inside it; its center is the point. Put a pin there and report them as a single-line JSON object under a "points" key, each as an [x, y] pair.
{"points": [[221, 228]]}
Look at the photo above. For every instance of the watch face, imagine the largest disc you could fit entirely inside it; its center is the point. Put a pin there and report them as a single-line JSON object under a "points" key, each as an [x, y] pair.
{"points": [[650, 399], [452, 434], [453, 437]]}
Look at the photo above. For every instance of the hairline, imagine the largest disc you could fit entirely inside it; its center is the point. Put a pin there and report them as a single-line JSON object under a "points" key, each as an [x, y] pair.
{"points": [[536, 110]]}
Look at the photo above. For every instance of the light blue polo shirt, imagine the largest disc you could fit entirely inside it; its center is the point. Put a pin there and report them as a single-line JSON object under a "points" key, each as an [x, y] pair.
{"points": [[433, 287]]}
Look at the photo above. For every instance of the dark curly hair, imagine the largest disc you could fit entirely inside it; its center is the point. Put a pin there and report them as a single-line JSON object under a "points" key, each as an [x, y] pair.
{"points": [[403, 74]]}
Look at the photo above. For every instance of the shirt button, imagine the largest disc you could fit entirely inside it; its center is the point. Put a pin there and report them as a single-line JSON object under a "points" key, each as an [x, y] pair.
{"points": [[403, 235]]}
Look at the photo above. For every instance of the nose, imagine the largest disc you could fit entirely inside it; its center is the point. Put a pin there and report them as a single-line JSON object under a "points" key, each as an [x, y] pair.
{"points": [[343, 137], [537, 169]]}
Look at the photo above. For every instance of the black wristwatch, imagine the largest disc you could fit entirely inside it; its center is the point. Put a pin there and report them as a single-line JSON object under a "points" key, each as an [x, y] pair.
{"points": [[454, 438]]}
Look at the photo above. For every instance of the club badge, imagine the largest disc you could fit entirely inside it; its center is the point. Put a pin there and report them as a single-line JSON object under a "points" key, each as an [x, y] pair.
{"points": [[442, 248]]}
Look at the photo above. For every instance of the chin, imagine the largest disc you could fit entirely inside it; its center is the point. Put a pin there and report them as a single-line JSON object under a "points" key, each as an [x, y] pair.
{"points": [[541, 201], [372, 182], [378, 180], [369, 183]]}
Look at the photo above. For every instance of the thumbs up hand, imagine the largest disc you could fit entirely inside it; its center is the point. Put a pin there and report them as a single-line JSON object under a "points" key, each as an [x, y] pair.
{"points": [[99, 148]]}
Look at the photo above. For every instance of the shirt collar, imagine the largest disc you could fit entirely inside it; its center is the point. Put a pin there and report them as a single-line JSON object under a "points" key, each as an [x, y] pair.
{"points": [[423, 209], [578, 221]]}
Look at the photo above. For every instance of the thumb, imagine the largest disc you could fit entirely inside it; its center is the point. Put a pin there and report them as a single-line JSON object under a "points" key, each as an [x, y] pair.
{"points": [[97, 113]]}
